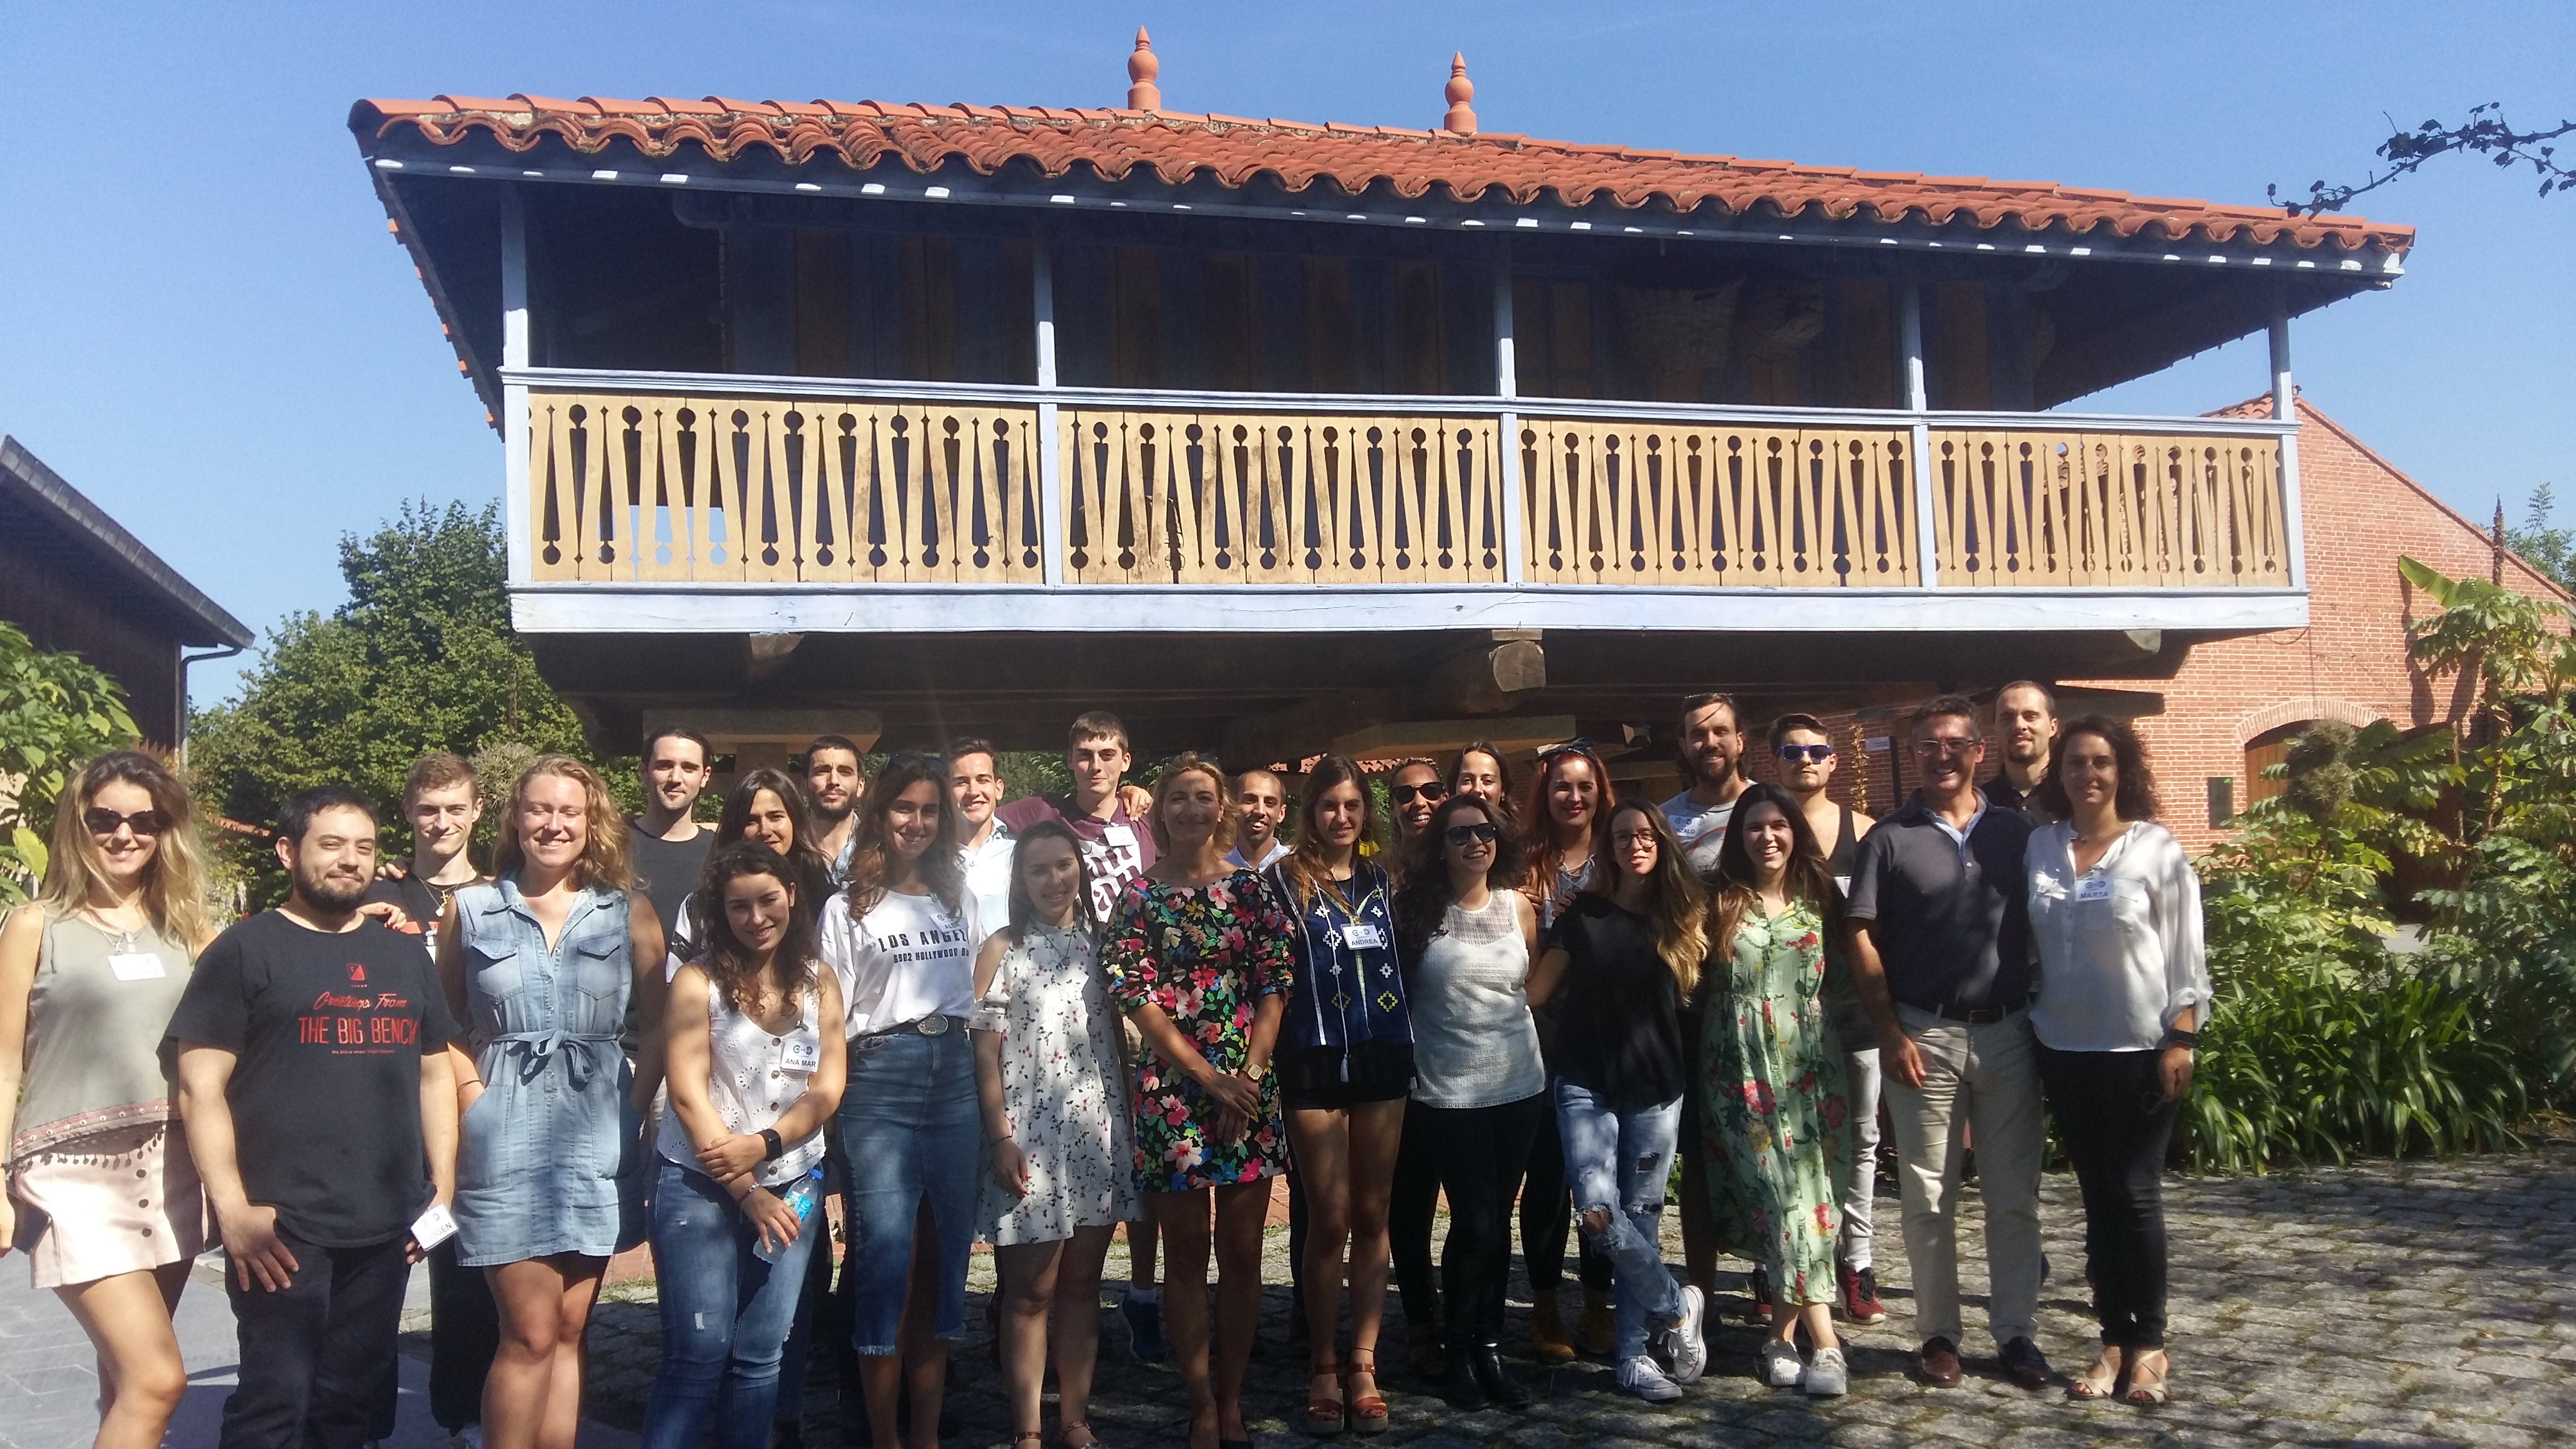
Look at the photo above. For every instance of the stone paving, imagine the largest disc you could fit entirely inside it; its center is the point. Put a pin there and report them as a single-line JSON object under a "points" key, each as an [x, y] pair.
{"points": [[2426, 1303]]}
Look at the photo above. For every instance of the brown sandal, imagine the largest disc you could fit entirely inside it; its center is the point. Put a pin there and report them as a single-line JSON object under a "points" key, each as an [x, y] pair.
{"points": [[1324, 1417], [1367, 1411], [1064, 1435]]}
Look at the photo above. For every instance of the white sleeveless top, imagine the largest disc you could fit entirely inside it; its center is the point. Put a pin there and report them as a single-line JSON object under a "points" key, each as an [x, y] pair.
{"points": [[754, 1078], [1474, 1044]]}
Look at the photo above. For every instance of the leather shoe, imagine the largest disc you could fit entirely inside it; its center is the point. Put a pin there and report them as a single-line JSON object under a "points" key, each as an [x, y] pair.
{"points": [[2025, 1365], [1938, 1364], [1496, 1380], [1464, 1388]]}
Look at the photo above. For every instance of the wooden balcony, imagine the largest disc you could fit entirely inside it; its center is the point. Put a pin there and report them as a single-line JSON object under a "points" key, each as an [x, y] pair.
{"points": [[725, 503]]}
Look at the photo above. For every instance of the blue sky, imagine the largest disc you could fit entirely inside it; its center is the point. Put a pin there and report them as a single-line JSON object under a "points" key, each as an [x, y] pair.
{"points": [[204, 326]]}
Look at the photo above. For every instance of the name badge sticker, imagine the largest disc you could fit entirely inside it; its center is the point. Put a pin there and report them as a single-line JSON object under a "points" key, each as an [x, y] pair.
{"points": [[1118, 836], [799, 1055], [137, 966], [433, 1227], [1364, 937], [2093, 888]]}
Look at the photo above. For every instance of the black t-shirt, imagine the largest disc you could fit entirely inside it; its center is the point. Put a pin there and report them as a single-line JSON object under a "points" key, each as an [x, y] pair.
{"points": [[1618, 1011], [424, 903], [329, 1029], [667, 870]]}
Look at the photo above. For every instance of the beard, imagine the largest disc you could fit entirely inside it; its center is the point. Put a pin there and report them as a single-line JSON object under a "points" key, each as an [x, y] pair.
{"points": [[330, 896], [832, 817], [1706, 771]]}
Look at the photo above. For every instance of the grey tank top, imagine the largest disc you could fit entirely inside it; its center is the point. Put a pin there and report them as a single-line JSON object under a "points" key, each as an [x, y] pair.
{"points": [[95, 1017]]}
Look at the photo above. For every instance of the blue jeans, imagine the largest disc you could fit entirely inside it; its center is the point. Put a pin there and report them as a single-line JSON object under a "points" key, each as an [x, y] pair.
{"points": [[725, 1314], [1619, 1161], [911, 1132]]}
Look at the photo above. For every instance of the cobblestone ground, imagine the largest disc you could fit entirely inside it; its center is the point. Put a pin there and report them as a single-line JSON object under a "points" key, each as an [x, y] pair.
{"points": [[2408, 1304]]}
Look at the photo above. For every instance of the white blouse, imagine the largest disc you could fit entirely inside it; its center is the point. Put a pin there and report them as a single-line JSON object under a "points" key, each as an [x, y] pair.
{"points": [[912, 957], [2120, 949]]}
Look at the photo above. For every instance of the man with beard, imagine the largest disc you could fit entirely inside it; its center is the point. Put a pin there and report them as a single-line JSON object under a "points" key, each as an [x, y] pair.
{"points": [[2026, 718], [667, 843], [319, 1099], [832, 787], [1711, 753]]}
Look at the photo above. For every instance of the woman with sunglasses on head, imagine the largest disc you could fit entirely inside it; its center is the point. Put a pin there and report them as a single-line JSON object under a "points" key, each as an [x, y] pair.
{"points": [[1564, 803], [1050, 1071], [753, 1042], [898, 939], [767, 806], [99, 1187], [1198, 957], [1480, 1087], [1345, 1064], [2123, 990], [1627, 953], [1776, 1122]]}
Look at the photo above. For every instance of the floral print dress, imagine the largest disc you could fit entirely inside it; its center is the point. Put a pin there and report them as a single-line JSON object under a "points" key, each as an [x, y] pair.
{"points": [[1205, 955], [1061, 1091], [1777, 1125]]}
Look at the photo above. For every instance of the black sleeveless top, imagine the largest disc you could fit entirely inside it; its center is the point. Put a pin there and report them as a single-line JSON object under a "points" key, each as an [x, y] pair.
{"points": [[1838, 861]]}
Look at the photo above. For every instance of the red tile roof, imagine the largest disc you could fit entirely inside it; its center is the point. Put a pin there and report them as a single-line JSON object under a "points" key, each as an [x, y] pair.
{"points": [[1233, 150]]}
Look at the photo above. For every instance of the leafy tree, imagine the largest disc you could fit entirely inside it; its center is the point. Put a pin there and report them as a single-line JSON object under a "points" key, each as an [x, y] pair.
{"points": [[421, 658], [56, 711], [2540, 543], [2484, 133]]}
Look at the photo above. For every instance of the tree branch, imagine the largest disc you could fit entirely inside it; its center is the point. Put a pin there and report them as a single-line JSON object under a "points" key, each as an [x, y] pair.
{"points": [[2484, 133]]}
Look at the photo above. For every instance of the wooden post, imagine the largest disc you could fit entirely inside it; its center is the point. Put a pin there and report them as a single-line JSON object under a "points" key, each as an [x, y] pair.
{"points": [[1508, 427], [2285, 406], [1050, 447], [516, 526], [1918, 401]]}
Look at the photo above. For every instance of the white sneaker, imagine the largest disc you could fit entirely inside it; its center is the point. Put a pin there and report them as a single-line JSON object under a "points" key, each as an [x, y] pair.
{"points": [[1641, 1376], [1780, 1366], [1682, 1341], [1826, 1377]]}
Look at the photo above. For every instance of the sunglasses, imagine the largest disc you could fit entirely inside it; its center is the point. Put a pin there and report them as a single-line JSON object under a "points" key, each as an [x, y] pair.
{"points": [[907, 759], [1407, 794], [1795, 753], [1575, 746], [1461, 834], [145, 823]]}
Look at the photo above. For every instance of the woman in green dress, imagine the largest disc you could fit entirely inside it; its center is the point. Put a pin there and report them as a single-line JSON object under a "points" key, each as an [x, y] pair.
{"points": [[1777, 1125]]}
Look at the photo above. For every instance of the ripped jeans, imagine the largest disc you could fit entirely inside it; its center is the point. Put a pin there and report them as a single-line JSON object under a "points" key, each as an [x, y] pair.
{"points": [[1621, 1160]]}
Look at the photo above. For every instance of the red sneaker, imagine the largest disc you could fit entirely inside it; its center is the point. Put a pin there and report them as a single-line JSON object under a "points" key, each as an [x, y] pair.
{"points": [[1860, 1295]]}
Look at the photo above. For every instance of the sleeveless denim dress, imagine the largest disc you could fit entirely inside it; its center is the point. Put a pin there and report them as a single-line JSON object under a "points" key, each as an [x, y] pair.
{"points": [[550, 1158]]}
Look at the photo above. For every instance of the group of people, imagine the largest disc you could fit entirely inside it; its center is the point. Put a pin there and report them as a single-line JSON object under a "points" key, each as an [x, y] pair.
{"points": [[1029, 1023]]}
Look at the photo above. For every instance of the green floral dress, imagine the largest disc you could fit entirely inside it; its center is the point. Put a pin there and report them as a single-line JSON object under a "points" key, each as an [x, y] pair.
{"points": [[1777, 1127], [1205, 955]]}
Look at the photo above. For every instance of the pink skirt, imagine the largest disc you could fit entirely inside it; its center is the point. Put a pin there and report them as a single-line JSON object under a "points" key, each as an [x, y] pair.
{"points": [[126, 1200]]}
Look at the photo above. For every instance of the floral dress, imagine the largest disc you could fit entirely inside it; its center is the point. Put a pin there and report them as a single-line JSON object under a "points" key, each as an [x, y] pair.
{"points": [[1060, 1079], [1777, 1128], [1205, 955]]}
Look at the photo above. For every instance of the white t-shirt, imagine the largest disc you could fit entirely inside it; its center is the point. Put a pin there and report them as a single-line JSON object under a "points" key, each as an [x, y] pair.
{"points": [[988, 881], [1702, 829], [912, 957], [1235, 858]]}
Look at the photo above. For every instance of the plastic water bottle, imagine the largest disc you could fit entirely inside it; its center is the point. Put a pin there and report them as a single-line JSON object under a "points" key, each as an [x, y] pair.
{"points": [[800, 1197]]}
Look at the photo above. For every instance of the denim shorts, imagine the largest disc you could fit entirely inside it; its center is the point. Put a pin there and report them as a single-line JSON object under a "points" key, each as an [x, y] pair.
{"points": [[912, 1133]]}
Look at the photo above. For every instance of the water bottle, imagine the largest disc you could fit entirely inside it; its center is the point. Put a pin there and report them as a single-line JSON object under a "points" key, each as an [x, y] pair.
{"points": [[800, 1197]]}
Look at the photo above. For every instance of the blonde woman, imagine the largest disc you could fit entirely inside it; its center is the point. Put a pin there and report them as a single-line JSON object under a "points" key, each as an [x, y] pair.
{"points": [[1627, 952], [539, 966], [100, 1189]]}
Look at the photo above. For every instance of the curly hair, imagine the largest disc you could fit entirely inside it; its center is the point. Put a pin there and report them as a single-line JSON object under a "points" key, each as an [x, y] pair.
{"points": [[727, 962], [2136, 795], [604, 862], [1423, 899]]}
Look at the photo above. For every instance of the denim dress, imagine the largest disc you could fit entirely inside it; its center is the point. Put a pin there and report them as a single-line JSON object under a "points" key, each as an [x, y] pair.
{"points": [[550, 1158]]}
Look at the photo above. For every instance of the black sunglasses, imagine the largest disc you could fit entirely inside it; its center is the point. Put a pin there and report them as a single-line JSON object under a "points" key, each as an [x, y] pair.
{"points": [[1407, 794], [1461, 834], [1575, 746], [1794, 753], [142, 822]]}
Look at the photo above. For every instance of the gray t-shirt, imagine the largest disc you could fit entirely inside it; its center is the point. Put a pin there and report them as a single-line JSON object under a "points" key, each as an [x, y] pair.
{"points": [[1702, 829], [1953, 927]]}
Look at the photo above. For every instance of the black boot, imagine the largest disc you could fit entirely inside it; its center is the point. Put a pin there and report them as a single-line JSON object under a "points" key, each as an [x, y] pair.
{"points": [[1464, 1388], [1497, 1381]]}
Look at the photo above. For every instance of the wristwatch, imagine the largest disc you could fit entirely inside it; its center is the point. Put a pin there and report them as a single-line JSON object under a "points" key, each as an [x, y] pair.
{"points": [[769, 1140]]}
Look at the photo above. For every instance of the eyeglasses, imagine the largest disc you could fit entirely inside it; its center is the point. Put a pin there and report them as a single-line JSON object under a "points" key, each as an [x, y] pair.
{"points": [[1461, 834], [1928, 748], [1407, 794], [103, 822], [1795, 753]]}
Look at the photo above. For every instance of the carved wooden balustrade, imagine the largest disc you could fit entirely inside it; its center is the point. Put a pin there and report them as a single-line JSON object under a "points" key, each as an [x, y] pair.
{"points": [[2065, 509]]}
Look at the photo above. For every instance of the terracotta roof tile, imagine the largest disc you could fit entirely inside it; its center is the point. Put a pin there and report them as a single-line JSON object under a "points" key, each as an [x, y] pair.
{"points": [[1178, 147]]}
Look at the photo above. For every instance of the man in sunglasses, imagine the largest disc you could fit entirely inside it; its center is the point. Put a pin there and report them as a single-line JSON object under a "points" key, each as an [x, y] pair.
{"points": [[1711, 751], [1941, 955], [1805, 753]]}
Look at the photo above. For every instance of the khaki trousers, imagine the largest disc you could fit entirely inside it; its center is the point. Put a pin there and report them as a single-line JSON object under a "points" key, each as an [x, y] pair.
{"points": [[1987, 1076]]}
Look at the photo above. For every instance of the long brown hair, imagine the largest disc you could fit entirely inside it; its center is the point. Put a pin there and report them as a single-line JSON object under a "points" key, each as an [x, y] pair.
{"points": [[1304, 868], [604, 863], [807, 870], [727, 964], [874, 848], [1808, 877], [174, 879], [1676, 902], [1023, 911], [1545, 857]]}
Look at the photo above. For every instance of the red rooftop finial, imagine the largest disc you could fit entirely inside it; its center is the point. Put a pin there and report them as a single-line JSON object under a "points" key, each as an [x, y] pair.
{"points": [[1142, 67], [1461, 90]]}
